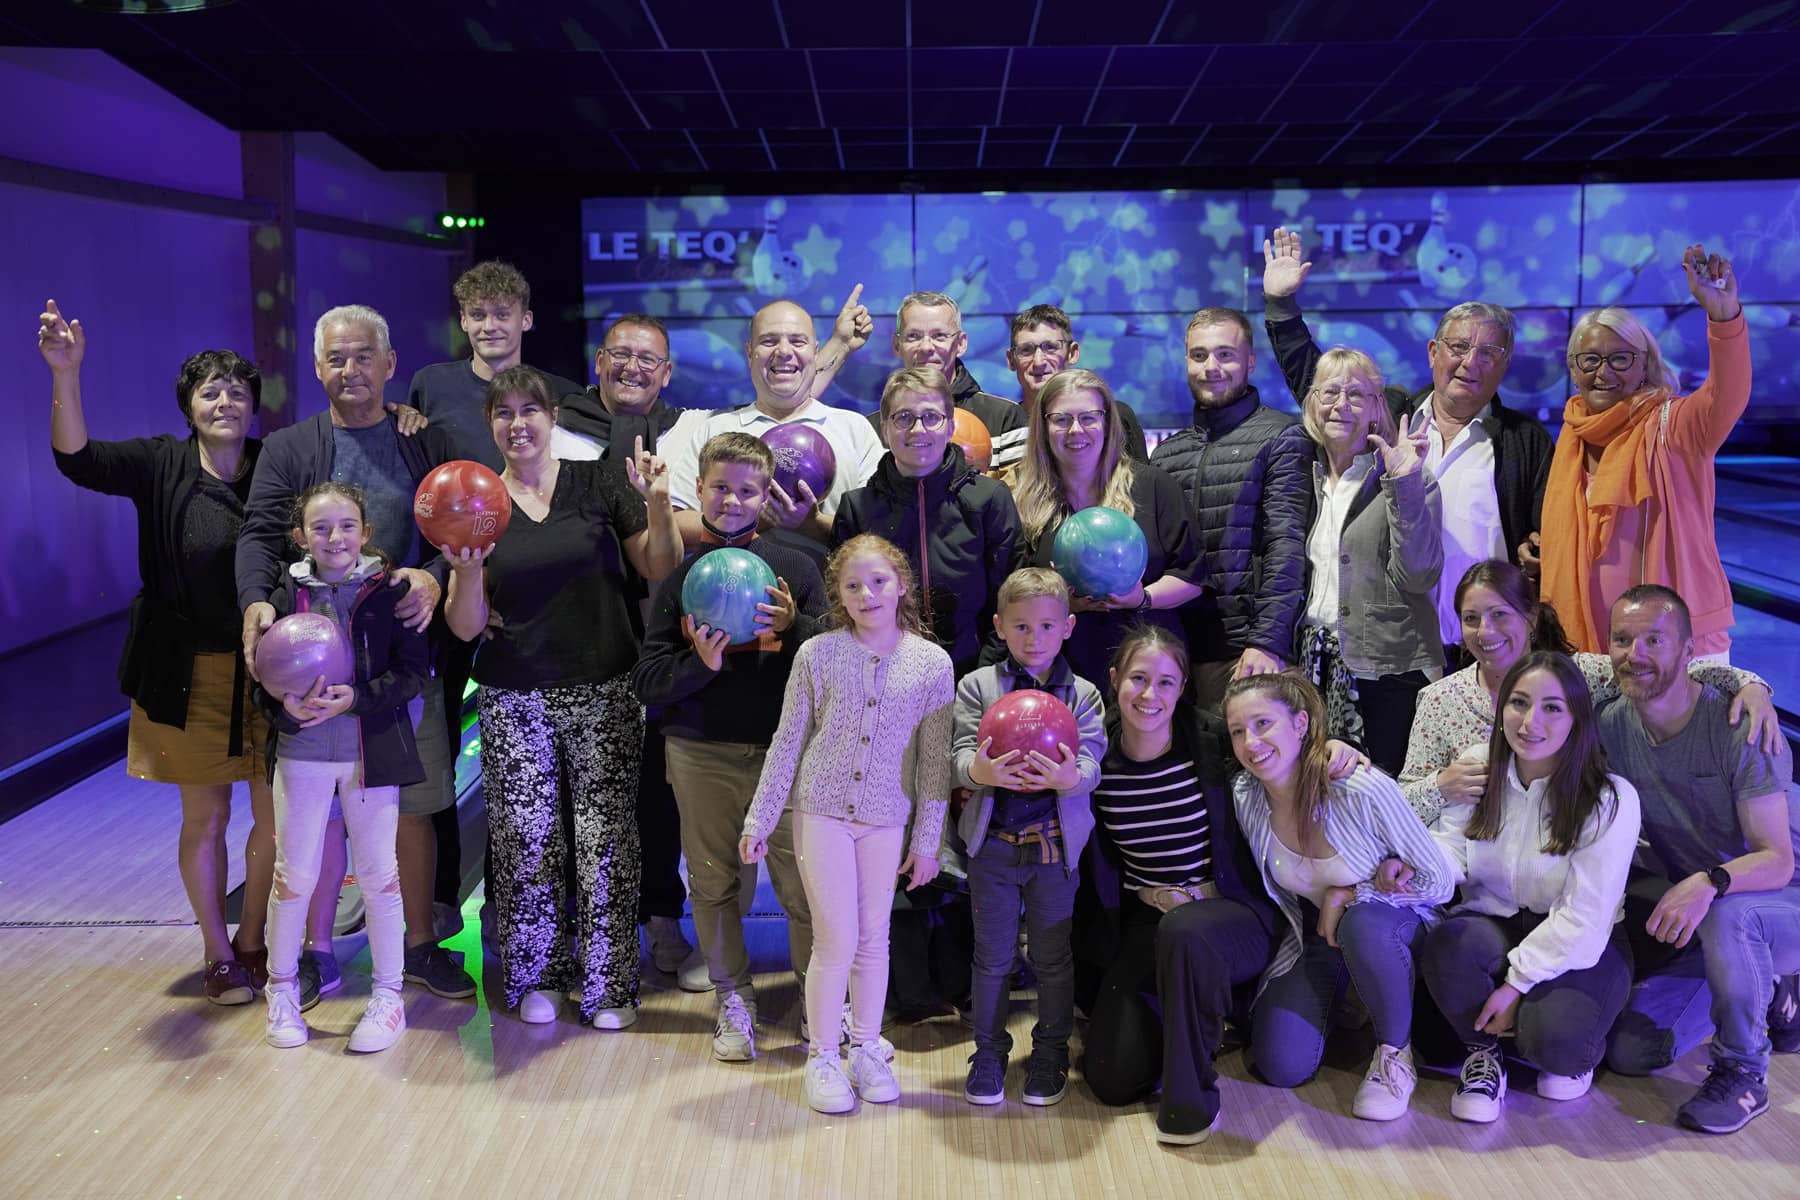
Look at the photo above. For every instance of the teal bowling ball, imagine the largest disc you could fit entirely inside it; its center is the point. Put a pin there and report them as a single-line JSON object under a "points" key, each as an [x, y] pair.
{"points": [[722, 590], [1100, 551]]}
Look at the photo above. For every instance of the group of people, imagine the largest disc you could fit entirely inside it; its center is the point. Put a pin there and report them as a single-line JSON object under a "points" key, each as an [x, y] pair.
{"points": [[1415, 716]]}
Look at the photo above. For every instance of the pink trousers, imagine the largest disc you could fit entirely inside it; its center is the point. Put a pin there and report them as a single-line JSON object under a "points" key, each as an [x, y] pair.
{"points": [[848, 871]]}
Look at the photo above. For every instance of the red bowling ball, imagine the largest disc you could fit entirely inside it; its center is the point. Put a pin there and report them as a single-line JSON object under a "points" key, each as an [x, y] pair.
{"points": [[462, 504], [297, 649], [801, 452], [1028, 720]]}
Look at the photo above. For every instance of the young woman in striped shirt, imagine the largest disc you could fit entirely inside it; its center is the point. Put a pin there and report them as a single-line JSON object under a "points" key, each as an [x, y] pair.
{"points": [[1320, 844]]}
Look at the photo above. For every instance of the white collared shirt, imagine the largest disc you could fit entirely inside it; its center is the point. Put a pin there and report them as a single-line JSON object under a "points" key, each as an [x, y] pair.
{"points": [[1472, 532], [1334, 501], [851, 436]]}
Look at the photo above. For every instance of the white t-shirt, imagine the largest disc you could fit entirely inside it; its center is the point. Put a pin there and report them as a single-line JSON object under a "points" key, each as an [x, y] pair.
{"points": [[1334, 501]]}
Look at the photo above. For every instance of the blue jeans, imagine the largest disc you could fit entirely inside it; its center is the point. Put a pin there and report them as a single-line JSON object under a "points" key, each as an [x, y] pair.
{"points": [[1720, 983], [1001, 876], [1562, 1022], [1293, 1015]]}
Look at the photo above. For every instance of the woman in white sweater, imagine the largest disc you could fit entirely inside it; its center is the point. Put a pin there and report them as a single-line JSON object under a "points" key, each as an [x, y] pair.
{"points": [[1535, 949]]}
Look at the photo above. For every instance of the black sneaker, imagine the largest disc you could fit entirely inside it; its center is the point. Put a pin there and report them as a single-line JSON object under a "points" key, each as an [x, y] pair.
{"points": [[1046, 1080], [987, 1078], [1784, 1015], [319, 974], [431, 966], [1729, 1100]]}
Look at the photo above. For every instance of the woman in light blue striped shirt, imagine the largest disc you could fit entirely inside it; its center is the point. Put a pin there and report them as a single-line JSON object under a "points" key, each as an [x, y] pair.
{"points": [[1320, 844]]}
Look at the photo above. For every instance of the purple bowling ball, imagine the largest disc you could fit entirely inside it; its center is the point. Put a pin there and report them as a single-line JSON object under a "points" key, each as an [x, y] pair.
{"points": [[801, 452], [299, 648]]}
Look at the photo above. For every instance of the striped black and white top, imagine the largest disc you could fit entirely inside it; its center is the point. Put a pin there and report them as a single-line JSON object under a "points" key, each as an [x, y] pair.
{"points": [[1155, 812]]}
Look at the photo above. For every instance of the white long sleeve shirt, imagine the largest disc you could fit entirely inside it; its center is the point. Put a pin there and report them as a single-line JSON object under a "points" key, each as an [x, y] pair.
{"points": [[1582, 893]]}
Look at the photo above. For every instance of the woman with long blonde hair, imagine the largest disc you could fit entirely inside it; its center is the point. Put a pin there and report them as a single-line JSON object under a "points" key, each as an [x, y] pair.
{"points": [[1075, 459]]}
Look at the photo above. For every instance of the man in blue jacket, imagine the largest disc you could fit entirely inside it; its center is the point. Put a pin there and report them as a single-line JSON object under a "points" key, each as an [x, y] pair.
{"points": [[357, 440]]}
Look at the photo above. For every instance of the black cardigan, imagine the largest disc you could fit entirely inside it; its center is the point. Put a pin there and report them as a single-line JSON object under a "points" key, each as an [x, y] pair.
{"points": [[158, 474], [298, 457]]}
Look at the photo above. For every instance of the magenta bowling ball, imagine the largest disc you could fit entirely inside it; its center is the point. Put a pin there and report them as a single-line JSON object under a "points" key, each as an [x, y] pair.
{"points": [[1028, 720], [299, 648], [801, 452]]}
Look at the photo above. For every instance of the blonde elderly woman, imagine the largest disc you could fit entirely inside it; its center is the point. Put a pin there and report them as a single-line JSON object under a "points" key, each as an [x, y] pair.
{"points": [[1369, 637], [1630, 497]]}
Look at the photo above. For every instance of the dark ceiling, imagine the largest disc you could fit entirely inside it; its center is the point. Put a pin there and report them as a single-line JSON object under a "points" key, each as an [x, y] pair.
{"points": [[672, 92]]}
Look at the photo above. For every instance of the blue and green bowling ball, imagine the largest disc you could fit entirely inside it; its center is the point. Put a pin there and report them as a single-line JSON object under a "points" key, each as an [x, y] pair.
{"points": [[1100, 551], [723, 589]]}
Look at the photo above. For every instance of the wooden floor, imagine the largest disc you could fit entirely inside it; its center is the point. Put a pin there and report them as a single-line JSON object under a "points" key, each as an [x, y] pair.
{"points": [[119, 1080]]}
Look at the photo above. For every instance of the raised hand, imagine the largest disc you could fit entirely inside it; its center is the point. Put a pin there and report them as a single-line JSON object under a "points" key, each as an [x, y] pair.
{"points": [[854, 325], [1712, 281], [62, 343], [648, 473], [468, 559], [1283, 272], [1407, 452]]}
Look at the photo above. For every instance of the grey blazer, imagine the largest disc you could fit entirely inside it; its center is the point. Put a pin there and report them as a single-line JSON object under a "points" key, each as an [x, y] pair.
{"points": [[1390, 553]]}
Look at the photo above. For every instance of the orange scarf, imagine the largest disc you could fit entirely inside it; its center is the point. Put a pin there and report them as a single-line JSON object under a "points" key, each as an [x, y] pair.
{"points": [[1577, 527]]}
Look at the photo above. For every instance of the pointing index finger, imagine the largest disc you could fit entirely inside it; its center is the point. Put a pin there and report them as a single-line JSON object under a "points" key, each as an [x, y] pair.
{"points": [[855, 297]]}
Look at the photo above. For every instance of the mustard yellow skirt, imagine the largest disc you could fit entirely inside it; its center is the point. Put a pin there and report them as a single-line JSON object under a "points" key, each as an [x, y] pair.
{"points": [[200, 753]]}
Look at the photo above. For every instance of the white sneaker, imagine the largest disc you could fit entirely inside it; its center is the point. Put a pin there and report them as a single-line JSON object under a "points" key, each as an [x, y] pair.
{"points": [[870, 1074], [692, 975], [614, 1018], [1481, 1087], [286, 1028], [1564, 1087], [539, 1008], [383, 1021], [1387, 1088], [845, 1041], [734, 1036], [827, 1090], [669, 947]]}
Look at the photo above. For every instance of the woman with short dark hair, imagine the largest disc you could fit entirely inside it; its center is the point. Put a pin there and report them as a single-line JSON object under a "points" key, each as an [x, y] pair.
{"points": [[192, 724]]}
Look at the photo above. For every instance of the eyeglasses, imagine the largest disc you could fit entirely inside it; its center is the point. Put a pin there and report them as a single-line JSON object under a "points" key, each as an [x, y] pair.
{"points": [[1620, 361], [1029, 350], [1331, 394], [1090, 421], [1485, 353], [621, 357], [929, 419], [916, 338]]}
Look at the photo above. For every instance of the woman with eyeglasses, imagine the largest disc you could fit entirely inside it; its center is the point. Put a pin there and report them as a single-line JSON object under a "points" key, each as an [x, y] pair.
{"points": [[958, 528], [1075, 459], [1369, 637], [1630, 496]]}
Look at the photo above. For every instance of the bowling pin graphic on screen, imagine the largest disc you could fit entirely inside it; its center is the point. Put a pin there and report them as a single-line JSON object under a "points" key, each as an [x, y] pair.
{"points": [[1446, 267], [775, 270], [1621, 282]]}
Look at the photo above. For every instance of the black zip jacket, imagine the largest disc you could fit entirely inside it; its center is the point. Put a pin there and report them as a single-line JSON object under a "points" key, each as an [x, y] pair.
{"points": [[959, 530]]}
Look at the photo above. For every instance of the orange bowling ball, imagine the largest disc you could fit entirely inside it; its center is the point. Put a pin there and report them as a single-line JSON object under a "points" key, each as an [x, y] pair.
{"points": [[972, 435]]}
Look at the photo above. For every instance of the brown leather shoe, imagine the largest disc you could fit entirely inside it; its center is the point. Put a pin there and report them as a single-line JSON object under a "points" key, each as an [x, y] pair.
{"points": [[227, 982], [254, 961]]}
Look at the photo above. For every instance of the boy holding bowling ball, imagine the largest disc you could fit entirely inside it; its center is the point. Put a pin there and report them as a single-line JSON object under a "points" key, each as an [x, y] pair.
{"points": [[1025, 824], [720, 706]]}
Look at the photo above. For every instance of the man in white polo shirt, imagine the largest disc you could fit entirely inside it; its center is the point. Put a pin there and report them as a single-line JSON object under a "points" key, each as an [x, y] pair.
{"points": [[782, 354]]}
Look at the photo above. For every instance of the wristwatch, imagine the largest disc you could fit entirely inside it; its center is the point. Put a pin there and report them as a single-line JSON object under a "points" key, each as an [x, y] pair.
{"points": [[1144, 602], [1720, 878]]}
